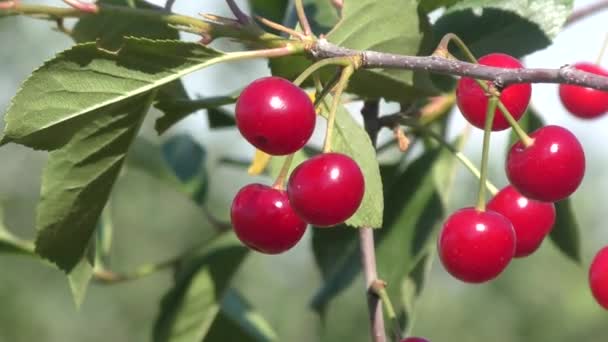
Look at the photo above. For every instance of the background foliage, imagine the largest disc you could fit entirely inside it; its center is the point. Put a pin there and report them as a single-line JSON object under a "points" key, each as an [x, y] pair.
{"points": [[152, 220]]}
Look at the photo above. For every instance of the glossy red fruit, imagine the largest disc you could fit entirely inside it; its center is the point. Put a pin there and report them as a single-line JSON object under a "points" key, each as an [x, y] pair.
{"points": [[415, 339], [476, 246], [473, 102], [598, 277], [582, 102], [326, 189], [263, 219], [275, 116], [549, 170], [532, 220]]}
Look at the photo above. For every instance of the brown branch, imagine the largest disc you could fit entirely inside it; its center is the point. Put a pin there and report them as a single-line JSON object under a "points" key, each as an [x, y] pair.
{"points": [[586, 11], [370, 114], [500, 76]]}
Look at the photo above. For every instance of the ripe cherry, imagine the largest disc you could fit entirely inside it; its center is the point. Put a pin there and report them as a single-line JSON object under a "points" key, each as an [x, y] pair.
{"points": [[326, 189], [264, 220], [583, 102], [473, 101], [532, 220], [415, 339], [549, 170], [476, 246], [598, 277], [275, 116]]}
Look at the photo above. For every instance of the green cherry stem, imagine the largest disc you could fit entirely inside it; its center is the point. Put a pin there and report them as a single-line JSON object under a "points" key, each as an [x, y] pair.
{"points": [[443, 47], [341, 61], [379, 289], [523, 136], [485, 153], [598, 61], [331, 118], [279, 183]]}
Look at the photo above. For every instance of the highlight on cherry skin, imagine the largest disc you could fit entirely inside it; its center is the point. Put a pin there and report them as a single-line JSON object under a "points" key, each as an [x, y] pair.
{"points": [[275, 115], [263, 219], [550, 169], [532, 220], [472, 100], [476, 246], [598, 277], [415, 339], [326, 189], [582, 102]]}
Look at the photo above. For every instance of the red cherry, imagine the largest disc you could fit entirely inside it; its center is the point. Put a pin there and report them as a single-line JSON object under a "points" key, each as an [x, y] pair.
{"points": [[275, 116], [415, 339], [326, 189], [598, 277], [263, 219], [549, 170], [532, 220], [476, 246], [473, 102], [583, 102]]}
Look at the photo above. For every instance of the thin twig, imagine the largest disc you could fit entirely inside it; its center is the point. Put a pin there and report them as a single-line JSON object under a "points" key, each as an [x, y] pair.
{"points": [[240, 15], [370, 112], [302, 18], [586, 11], [501, 77]]}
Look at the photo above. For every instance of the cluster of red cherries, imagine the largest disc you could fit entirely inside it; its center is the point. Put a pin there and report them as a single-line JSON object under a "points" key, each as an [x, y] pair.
{"points": [[477, 245], [278, 118]]}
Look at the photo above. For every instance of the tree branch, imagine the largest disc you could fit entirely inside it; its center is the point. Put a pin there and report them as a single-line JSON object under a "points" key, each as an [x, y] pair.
{"points": [[500, 76], [370, 114], [586, 11]]}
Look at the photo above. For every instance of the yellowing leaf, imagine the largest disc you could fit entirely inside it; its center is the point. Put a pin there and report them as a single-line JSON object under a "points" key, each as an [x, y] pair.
{"points": [[259, 163]]}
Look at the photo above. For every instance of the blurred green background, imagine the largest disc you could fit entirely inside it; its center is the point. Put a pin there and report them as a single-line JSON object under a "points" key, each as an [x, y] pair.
{"points": [[541, 298]]}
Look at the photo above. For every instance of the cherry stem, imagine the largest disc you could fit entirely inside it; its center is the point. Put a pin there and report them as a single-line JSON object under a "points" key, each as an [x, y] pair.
{"points": [[331, 117], [379, 289], [523, 136], [443, 47], [302, 18], [485, 153], [343, 61], [462, 158], [279, 183], [598, 61], [279, 27]]}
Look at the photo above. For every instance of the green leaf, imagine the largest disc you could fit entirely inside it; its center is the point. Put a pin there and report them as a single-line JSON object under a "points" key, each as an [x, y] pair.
{"points": [[516, 27], [238, 321], [78, 178], [351, 139], [411, 289], [186, 158], [219, 118], [177, 108], [565, 234], [64, 94], [273, 10], [79, 279], [430, 5], [190, 307], [110, 28]]}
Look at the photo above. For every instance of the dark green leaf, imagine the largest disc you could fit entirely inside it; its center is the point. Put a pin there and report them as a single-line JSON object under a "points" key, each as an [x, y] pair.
{"points": [[63, 95], [109, 28], [219, 118], [516, 27], [177, 108], [238, 321], [565, 234], [273, 10], [351, 139], [190, 307], [78, 178], [186, 158]]}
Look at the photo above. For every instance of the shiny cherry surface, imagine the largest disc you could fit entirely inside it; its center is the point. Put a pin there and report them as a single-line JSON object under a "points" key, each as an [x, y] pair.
{"points": [[476, 246], [415, 339], [598, 277], [549, 170], [264, 221], [326, 189], [275, 116], [583, 102], [473, 102], [532, 220]]}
